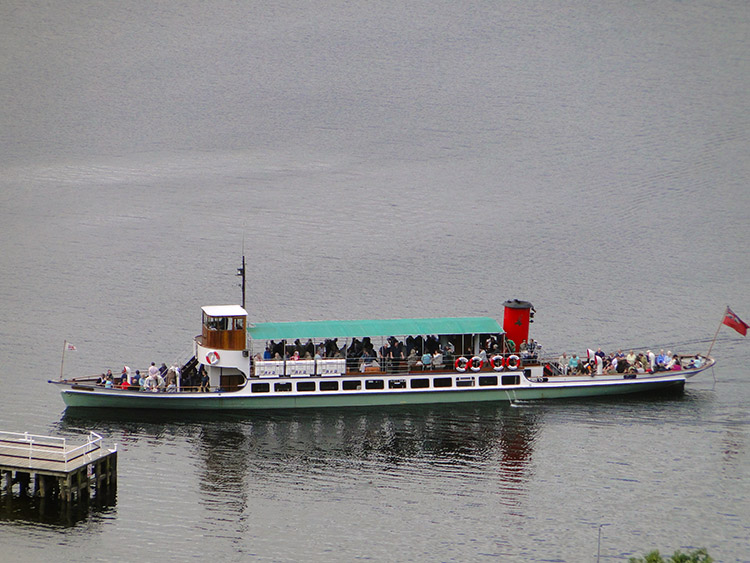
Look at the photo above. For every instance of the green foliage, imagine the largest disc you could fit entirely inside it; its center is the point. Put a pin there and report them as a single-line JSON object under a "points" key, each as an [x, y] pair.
{"points": [[697, 556]]}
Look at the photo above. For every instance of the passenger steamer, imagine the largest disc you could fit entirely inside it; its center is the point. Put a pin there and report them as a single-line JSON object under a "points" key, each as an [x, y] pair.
{"points": [[230, 352]]}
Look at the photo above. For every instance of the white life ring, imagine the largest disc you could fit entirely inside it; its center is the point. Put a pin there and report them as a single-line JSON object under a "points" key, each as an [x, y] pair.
{"points": [[497, 362], [476, 363], [461, 364], [515, 360], [213, 358]]}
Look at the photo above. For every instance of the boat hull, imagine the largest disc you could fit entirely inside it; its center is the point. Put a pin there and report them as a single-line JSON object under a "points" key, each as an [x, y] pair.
{"points": [[564, 388]]}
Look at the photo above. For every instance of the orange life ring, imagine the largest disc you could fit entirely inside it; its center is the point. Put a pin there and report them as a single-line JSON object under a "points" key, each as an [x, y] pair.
{"points": [[497, 362], [476, 363], [461, 364], [213, 358], [515, 360]]}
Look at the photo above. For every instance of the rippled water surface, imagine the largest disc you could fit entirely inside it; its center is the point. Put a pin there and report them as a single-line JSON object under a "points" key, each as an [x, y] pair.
{"points": [[381, 161]]}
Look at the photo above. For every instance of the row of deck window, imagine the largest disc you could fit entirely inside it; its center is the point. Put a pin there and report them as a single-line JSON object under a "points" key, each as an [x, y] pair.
{"points": [[380, 384]]}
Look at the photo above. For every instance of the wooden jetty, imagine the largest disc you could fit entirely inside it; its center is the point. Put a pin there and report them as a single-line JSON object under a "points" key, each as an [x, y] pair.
{"points": [[56, 468]]}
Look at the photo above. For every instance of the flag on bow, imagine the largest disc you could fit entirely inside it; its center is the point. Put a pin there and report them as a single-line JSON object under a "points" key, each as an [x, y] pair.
{"points": [[733, 321]]}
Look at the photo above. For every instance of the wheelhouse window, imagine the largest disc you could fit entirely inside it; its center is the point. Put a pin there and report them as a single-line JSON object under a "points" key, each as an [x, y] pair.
{"points": [[224, 331]]}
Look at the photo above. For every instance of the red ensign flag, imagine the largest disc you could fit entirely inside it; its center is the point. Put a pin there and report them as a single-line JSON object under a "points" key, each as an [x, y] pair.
{"points": [[733, 321]]}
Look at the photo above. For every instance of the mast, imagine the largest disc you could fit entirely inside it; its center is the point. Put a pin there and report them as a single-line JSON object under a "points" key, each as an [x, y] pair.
{"points": [[241, 273]]}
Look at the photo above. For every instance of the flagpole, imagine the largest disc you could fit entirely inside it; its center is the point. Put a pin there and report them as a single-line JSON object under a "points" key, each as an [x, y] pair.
{"points": [[708, 354], [62, 363]]}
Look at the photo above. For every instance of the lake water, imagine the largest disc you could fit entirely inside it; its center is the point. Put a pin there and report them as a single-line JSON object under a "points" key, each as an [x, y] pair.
{"points": [[381, 161]]}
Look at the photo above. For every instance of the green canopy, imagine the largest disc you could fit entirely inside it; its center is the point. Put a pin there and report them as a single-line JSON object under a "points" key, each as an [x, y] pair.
{"points": [[360, 329]]}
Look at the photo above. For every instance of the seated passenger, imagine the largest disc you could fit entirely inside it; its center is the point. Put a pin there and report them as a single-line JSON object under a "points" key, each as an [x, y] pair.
{"points": [[696, 362], [412, 359], [674, 363], [426, 361], [437, 359], [661, 361], [574, 364]]}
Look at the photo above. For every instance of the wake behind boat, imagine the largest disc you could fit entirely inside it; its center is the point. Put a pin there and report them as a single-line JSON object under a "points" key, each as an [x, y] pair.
{"points": [[289, 365]]}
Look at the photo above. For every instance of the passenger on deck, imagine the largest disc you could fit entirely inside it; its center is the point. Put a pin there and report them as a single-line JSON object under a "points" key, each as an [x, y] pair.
{"points": [[437, 359], [267, 355], [661, 361], [426, 361], [562, 361], [171, 379], [108, 382], [622, 365], [396, 354], [651, 361], [154, 382], [696, 362], [367, 360], [331, 347], [574, 364], [412, 359], [641, 363], [674, 363], [204, 386], [483, 355], [631, 358]]}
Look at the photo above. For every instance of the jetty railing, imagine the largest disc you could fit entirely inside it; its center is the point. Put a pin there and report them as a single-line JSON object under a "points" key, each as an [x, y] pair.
{"points": [[36, 447]]}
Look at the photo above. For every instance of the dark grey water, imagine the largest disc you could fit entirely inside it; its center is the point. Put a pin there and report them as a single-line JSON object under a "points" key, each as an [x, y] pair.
{"points": [[389, 160]]}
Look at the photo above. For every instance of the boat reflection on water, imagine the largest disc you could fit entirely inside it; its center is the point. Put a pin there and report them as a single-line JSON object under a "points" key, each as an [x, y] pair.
{"points": [[275, 452]]}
